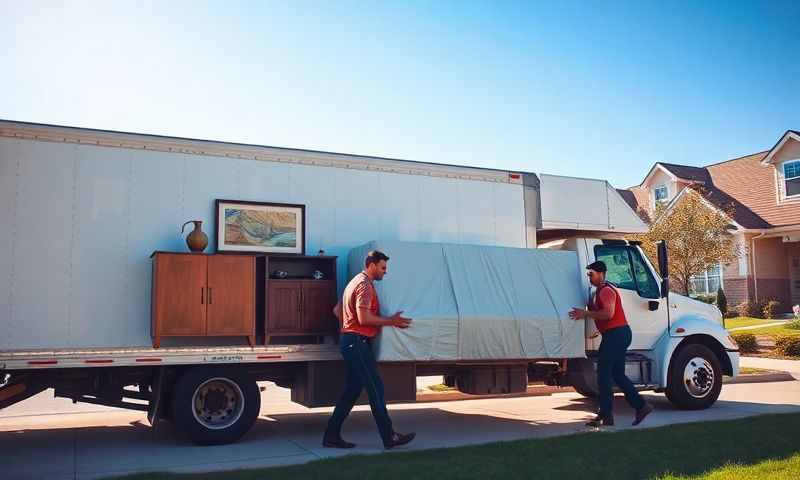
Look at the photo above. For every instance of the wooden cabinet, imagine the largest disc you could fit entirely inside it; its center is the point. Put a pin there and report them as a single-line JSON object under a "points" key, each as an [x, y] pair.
{"points": [[197, 295], [300, 305]]}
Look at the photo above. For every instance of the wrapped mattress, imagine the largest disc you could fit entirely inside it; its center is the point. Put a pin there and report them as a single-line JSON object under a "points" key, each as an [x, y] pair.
{"points": [[472, 302]]}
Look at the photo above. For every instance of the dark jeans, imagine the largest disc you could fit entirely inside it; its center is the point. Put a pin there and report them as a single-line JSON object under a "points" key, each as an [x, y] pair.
{"points": [[362, 373], [611, 365]]}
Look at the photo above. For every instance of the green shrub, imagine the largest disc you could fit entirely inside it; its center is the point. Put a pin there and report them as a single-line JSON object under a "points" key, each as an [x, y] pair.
{"points": [[722, 301], [788, 345], [746, 341], [752, 308], [770, 308], [711, 299]]}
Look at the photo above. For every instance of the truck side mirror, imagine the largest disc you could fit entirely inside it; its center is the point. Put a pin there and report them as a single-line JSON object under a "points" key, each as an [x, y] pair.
{"points": [[663, 267]]}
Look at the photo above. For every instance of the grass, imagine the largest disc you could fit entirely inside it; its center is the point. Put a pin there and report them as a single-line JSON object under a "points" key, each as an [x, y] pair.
{"points": [[792, 328], [440, 387], [753, 371], [758, 448], [768, 470], [746, 322]]}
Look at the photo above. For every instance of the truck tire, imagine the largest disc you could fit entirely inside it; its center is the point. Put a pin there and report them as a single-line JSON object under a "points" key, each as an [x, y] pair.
{"points": [[694, 381], [215, 406], [582, 377]]}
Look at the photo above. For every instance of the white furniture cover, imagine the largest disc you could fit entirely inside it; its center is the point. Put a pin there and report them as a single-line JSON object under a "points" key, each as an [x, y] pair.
{"points": [[470, 302]]}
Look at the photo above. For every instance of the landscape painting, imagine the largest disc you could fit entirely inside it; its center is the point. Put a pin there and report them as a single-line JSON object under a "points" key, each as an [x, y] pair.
{"points": [[260, 227]]}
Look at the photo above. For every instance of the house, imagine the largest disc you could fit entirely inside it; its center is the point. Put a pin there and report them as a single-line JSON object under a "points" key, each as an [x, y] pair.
{"points": [[763, 190]]}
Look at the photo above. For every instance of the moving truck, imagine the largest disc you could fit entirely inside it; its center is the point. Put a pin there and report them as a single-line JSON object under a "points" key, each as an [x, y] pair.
{"points": [[84, 211]]}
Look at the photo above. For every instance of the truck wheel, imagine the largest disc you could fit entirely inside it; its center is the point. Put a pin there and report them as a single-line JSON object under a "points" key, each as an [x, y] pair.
{"points": [[695, 378], [215, 406], [582, 377]]}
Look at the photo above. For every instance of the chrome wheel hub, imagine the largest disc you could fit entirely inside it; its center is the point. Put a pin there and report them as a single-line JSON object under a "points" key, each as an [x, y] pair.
{"points": [[698, 377], [217, 403]]}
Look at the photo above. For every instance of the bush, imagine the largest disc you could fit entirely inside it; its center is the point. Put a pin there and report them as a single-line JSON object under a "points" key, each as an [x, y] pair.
{"points": [[770, 309], [722, 302], [710, 299], [788, 345], [731, 314], [746, 341], [752, 308]]}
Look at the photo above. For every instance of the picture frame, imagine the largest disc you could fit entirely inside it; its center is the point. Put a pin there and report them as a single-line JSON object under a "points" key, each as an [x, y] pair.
{"points": [[260, 227]]}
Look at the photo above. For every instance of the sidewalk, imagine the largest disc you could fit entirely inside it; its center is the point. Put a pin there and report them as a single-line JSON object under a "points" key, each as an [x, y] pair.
{"points": [[790, 366]]}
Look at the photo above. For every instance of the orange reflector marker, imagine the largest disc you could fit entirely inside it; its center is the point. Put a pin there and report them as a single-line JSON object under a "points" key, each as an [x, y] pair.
{"points": [[148, 359], [680, 330], [267, 357], [514, 176], [99, 361]]}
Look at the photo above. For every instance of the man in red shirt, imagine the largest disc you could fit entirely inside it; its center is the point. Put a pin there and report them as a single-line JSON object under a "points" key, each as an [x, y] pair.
{"points": [[609, 317], [360, 321]]}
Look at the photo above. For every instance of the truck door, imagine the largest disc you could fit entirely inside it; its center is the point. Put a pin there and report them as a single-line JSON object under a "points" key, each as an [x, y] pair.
{"points": [[645, 310]]}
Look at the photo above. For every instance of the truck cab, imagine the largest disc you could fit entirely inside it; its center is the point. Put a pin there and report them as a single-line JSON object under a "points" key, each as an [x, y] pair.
{"points": [[679, 344]]}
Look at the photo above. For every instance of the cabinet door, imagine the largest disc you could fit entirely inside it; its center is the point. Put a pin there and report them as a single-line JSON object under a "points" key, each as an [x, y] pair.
{"points": [[180, 295], [319, 297], [283, 306], [231, 295]]}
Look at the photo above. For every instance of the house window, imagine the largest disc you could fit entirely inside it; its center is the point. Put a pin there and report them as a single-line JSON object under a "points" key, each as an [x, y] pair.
{"points": [[707, 282], [791, 174], [661, 193]]}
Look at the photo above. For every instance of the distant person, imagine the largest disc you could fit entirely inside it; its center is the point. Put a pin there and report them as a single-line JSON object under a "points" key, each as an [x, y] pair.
{"points": [[360, 321], [609, 317]]}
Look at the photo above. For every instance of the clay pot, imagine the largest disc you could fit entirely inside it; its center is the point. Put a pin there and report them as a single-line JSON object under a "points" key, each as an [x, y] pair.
{"points": [[197, 240]]}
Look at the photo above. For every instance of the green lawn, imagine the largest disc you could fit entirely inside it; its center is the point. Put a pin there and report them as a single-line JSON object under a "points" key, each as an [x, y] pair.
{"points": [[786, 329], [746, 322], [755, 448]]}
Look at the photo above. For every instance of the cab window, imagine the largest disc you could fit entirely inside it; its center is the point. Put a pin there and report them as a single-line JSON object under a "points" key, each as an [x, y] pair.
{"points": [[627, 270]]}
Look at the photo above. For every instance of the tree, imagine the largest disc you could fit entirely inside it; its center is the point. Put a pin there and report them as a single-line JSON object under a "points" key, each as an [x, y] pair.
{"points": [[698, 237]]}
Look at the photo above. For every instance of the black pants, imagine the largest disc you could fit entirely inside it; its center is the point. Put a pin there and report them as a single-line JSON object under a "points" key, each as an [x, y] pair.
{"points": [[611, 365], [362, 373]]}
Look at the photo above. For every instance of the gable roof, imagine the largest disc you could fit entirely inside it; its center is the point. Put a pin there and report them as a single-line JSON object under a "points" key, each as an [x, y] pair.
{"points": [[688, 173], [790, 134], [747, 184]]}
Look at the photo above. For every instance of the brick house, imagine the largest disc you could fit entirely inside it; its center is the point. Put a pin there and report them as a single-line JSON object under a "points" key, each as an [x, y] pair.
{"points": [[764, 191]]}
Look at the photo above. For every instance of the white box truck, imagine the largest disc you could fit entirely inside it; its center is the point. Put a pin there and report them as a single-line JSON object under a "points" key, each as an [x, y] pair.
{"points": [[84, 209]]}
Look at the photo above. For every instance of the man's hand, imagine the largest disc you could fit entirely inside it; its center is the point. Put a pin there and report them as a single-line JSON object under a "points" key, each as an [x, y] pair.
{"points": [[399, 321], [578, 314]]}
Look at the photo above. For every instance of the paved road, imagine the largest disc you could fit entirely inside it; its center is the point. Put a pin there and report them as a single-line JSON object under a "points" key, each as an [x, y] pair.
{"points": [[94, 444]]}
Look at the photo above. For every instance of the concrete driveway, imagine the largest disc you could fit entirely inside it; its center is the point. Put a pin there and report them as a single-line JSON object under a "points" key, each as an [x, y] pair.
{"points": [[92, 444]]}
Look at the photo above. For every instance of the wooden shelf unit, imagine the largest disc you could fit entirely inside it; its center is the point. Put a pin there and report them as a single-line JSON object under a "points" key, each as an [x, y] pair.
{"points": [[299, 305]]}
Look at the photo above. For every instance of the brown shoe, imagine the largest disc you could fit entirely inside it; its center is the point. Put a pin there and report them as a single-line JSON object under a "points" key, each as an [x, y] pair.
{"points": [[399, 439], [336, 442], [600, 420], [641, 413]]}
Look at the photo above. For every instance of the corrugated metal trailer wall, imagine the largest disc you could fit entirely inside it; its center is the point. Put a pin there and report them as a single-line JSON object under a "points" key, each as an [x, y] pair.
{"points": [[79, 222]]}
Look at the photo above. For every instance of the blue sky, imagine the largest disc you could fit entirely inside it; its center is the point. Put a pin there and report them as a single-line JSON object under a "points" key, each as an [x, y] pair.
{"points": [[593, 89]]}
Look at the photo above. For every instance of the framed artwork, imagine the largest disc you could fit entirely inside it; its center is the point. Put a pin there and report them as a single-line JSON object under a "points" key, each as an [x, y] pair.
{"points": [[260, 227]]}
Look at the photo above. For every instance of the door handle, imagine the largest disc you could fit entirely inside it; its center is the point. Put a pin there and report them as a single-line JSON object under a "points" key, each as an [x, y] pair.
{"points": [[202, 293], [209, 295]]}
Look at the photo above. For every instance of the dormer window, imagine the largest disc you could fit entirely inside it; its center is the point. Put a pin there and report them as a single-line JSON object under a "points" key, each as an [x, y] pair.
{"points": [[661, 193], [791, 176]]}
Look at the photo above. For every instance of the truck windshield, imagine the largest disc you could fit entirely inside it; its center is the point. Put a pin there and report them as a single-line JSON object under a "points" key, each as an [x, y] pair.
{"points": [[627, 270]]}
